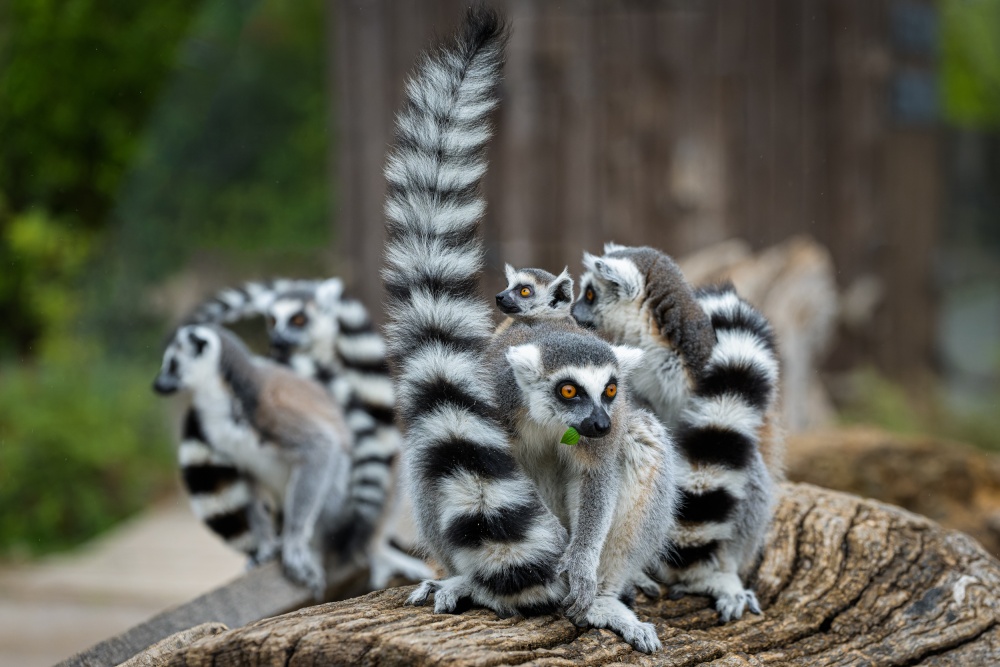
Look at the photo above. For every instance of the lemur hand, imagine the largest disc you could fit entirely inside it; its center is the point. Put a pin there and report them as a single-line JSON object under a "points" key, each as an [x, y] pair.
{"points": [[582, 591], [303, 567]]}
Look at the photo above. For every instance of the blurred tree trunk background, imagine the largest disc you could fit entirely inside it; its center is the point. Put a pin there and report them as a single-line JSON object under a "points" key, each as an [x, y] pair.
{"points": [[677, 125]]}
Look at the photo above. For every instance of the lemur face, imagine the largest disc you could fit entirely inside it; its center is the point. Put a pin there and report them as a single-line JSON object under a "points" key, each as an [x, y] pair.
{"points": [[300, 320], [568, 384], [611, 293], [191, 357], [536, 293]]}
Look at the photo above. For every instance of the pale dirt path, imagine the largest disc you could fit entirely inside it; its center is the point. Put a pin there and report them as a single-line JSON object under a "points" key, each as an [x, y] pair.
{"points": [[56, 607]]}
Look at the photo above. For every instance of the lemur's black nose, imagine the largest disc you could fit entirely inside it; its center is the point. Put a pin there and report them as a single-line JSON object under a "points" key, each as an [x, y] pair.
{"points": [[500, 298], [596, 425]]}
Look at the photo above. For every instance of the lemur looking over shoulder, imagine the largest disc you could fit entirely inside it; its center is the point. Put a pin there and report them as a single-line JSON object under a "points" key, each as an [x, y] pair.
{"points": [[711, 375], [323, 335], [536, 294], [482, 410], [283, 431]]}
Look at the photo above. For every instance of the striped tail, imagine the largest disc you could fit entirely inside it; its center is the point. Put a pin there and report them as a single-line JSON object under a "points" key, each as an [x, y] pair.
{"points": [[364, 389], [251, 299], [720, 433], [220, 493], [477, 513]]}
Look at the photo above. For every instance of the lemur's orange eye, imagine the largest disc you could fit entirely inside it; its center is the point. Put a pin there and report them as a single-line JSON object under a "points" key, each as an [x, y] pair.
{"points": [[299, 320], [567, 391], [525, 291], [611, 390], [589, 295]]}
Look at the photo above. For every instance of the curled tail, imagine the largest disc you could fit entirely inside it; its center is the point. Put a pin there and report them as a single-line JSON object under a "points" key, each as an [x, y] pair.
{"points": [[221, 494], [232, 304], [477, 512]]}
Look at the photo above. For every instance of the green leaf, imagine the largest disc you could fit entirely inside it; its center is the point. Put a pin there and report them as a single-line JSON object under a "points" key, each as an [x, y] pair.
{"points": [[570, 437]]}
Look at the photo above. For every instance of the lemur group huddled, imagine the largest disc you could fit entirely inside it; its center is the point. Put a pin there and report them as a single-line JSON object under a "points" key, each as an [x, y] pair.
{"points": [[584, 449]]}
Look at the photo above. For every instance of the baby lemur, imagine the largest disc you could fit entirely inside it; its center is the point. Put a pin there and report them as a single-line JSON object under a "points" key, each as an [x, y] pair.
{"points": [[493, 487], [711, 375], [281, 430]]}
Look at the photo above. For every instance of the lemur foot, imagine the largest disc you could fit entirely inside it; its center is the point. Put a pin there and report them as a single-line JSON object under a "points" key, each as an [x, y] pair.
{"points": [[731, 607], [447, 593], [303, 567], [608, 612], [731, 598], [265, 553], [419, 596], [388, 562], [647, 586]]}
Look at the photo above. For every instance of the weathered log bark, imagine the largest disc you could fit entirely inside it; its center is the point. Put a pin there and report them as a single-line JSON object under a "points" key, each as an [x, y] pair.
{"points": [[844, 581], [954, 484]]}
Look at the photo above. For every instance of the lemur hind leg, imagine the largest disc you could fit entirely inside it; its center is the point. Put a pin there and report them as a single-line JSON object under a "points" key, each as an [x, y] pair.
{"points": [[387, 562], [610, 613]]}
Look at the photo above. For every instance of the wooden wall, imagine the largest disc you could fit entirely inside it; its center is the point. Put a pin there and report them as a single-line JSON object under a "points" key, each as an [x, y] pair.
{"points": [[674, 124]]}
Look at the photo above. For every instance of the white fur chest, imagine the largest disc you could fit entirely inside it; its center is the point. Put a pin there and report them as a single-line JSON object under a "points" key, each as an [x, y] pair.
{"points": [[233, 436], [537, 451]]}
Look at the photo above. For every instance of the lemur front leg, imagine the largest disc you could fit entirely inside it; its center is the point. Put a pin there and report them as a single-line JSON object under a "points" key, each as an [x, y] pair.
{"points": [[310, 485], [261, 520], [591, 519]]}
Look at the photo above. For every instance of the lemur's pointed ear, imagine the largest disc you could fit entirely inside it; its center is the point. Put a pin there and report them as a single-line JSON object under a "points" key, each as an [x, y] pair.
{"points": [[197, 339], [620, 272], [628, 357], [611, 247], [509, 271], [328, 293], [526, 361], [561, 289]]}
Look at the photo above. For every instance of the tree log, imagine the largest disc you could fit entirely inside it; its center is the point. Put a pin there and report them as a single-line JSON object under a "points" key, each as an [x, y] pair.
{"points": [[843, 581], [954, 484]]}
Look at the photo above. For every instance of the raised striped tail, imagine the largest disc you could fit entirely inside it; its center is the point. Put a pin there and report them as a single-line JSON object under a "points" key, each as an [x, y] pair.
{"points": [[477, 512]]}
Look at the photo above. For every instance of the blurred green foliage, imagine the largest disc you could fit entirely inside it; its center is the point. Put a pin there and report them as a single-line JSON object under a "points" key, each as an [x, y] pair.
{"points": [[874, 399], [80, 448], [970, 62], [133, 136]]}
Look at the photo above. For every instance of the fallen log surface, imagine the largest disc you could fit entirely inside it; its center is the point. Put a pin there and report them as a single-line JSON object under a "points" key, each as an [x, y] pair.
{"points": [[844, 581]]}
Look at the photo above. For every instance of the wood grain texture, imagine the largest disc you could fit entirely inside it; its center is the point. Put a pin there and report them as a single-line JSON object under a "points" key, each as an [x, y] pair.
{"points": [[844, 581]]}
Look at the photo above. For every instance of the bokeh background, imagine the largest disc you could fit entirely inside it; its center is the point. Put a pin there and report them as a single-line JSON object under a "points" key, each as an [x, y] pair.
{"points": [[151, 153]]}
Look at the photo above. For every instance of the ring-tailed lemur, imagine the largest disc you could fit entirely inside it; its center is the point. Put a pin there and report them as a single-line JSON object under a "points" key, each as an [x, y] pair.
{"points": [[536, 294], [282, 431], [711, 375], [323, 335], [483, 410]]}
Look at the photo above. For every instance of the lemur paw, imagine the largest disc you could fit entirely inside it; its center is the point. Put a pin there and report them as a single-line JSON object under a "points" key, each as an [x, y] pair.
{"points": [[419, 596], [732, 605], [647, 586], [582, 592], [265, 553], [608, 612], [302, 566], [642, 637], [447, 597]]}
